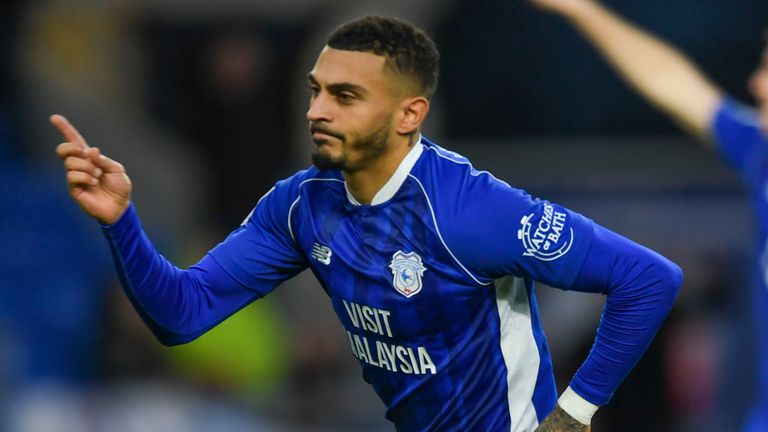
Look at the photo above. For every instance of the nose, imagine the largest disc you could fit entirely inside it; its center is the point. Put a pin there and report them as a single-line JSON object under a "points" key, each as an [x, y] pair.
{"points": [[319, 109]]}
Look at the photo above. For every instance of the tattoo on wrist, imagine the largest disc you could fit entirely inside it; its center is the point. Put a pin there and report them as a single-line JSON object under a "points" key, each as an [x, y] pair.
{"points": [[560, 421]]}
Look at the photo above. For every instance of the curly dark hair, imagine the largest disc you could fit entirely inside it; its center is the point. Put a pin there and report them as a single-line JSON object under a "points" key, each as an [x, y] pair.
{"points": [[408, 49]]}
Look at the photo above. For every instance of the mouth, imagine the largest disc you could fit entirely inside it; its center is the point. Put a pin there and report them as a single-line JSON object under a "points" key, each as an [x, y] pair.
{"points": [[321, 135], [321, 138]]}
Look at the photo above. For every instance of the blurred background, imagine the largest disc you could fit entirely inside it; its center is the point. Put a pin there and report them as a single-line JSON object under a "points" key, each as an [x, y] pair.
{"points": [[204, 103]]}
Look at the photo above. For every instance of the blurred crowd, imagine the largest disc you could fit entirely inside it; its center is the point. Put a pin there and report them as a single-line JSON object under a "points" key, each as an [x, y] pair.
{"points": [[204, 102]]}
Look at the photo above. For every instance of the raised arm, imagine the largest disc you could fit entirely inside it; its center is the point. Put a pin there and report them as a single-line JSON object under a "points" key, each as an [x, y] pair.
{"points": [[658, 71], [98, 184], [178, 305]]}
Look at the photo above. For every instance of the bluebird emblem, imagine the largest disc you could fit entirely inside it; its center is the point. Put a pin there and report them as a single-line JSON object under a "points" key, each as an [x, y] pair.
{"points": [[407, 270]]}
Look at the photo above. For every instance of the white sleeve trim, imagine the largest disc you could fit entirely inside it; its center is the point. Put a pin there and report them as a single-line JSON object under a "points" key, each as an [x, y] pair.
{"points": [[576, 406]]}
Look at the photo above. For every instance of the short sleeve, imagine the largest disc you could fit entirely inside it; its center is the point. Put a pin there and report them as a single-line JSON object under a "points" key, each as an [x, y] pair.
{"points": [[736, 130], [261, 253]]}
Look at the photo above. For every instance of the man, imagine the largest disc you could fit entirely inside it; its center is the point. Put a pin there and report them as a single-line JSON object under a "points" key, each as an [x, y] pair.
{"points": [[672, 83], [429, 263]]}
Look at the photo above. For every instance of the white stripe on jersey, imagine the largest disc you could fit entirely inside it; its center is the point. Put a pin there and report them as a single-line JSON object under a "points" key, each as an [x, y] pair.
{"points": [[247, 218], [290, 211], [520, 352]]}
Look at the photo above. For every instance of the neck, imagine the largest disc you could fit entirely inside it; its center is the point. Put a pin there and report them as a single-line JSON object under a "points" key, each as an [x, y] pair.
{"points": [[364, 183]]}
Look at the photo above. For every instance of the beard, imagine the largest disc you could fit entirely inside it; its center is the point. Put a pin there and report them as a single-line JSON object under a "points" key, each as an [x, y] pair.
{"points": [[368, 147]]}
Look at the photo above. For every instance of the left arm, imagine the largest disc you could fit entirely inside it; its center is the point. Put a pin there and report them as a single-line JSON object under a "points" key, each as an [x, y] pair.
{"points": [[541, 241], [640, 286]]}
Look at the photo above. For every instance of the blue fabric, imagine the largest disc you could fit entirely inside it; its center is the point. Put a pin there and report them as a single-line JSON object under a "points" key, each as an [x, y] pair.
{"points": [[744, 146], [178, 306], [434, 288], [640, 286]]}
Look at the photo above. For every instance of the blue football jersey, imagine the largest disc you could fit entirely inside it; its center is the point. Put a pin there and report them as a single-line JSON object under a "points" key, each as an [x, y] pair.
{"points": [[433, 283], [742, 143]]}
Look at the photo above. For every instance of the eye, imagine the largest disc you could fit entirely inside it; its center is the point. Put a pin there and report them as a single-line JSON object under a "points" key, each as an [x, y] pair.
{"points": [[346, 97]]}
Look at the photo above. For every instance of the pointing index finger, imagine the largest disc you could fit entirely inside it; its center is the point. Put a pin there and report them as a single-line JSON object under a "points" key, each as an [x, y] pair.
{"points": [[67, 130]]}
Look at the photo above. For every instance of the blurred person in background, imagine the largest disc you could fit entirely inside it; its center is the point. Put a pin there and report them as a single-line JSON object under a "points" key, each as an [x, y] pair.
{"points": [[737, 133], [436, 298]]}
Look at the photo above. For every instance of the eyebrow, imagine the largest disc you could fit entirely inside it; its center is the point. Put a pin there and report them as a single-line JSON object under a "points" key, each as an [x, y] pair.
{"points": [[337, 88]]}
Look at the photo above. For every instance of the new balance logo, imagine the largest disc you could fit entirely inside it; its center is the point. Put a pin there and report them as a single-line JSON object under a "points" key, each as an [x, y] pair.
{"points": [[322, 253]]}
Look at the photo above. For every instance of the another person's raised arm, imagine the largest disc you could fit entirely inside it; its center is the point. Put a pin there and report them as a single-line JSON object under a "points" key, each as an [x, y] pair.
{"points": [[655, 69]]}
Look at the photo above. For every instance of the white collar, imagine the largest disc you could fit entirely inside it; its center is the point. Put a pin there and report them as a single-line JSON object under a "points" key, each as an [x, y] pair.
{"points": [[392, 185]]}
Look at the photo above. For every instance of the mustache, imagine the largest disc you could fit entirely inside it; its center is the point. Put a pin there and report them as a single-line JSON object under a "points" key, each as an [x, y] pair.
{"points": [[315, 127]]}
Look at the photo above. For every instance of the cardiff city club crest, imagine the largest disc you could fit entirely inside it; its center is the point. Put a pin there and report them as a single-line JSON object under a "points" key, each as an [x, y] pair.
{"points": [[407, 271]]}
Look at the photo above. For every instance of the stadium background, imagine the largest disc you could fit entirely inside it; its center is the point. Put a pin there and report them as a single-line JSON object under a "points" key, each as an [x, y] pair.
{"points": [[204, 103]]}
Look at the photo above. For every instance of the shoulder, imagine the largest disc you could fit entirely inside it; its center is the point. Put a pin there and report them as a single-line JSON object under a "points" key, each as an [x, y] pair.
{"points": [[737, 134], [447, 169], [734, 113], [285, 191], [277, 202], [447, 176], [735, 122], [494, 229]]}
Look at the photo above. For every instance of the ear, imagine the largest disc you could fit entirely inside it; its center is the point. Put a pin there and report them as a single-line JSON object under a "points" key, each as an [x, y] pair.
{"points": [[413, 111]]}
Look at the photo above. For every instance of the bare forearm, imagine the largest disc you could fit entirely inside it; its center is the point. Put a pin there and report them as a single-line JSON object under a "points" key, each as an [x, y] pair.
{"points": [[658, 71]]}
